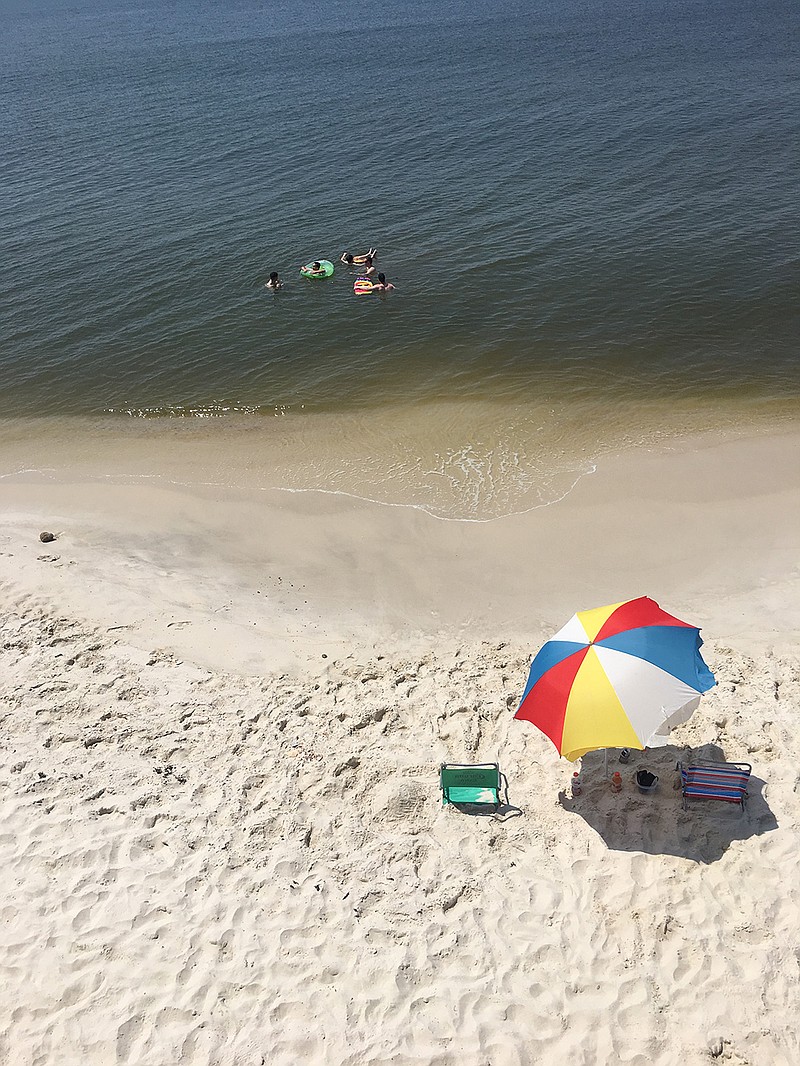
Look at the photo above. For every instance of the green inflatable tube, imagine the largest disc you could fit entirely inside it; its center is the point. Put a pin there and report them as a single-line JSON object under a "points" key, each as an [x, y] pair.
{"points": [[325, 269]]}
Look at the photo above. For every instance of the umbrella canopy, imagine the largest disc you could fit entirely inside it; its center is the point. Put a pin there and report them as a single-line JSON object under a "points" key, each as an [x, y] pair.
{"points": [[615, 677]]}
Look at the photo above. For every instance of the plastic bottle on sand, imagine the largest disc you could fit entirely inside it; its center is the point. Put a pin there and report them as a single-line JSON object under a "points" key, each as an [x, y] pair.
{"points": [[577, 787], [616, 782]]}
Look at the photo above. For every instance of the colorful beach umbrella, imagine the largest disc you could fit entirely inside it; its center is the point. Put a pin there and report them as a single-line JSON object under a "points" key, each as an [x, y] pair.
{"points": [[616, 677]]}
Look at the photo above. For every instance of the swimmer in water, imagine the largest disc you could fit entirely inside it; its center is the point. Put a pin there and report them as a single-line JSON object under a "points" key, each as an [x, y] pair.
{"points": [[357, 260], [368, 268], [382, 285], [274, 281]]}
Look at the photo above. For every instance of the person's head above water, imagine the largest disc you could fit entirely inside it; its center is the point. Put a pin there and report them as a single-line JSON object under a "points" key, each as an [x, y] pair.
{"points": [[348, 257], [316, 266], [273, 276], [368, 260], [382, 279]]}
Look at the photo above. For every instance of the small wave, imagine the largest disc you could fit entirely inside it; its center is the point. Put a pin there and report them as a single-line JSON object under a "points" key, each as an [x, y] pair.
{"points": [[208, 410]]}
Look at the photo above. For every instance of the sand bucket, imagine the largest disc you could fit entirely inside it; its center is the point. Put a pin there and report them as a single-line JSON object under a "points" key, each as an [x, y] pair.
{"points": [[645, 781]]}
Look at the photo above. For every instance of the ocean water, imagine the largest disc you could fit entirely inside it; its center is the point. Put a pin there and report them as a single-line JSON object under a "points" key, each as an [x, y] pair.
{"points": [[589, 213]]}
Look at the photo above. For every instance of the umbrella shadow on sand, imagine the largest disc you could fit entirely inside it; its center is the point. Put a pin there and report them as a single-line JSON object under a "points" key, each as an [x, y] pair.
{"points": [[656, 823]]}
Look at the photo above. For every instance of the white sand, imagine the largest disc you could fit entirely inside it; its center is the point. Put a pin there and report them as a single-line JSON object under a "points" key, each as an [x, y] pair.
{"points": [[221, 833]]}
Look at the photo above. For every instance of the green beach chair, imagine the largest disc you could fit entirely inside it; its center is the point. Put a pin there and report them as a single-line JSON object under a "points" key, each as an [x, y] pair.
{"points": [[463, 783]]}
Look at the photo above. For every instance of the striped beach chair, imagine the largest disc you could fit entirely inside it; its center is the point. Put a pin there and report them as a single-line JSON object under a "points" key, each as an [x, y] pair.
{"points": [[726, 781]]}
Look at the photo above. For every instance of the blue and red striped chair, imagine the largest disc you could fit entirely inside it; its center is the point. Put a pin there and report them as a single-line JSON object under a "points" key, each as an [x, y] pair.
{"points": [[725, 781]]}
